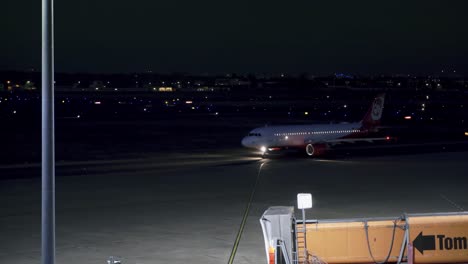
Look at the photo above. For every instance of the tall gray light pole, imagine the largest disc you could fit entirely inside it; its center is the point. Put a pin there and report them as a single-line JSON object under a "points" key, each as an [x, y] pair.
{"points": [[48, 139]]}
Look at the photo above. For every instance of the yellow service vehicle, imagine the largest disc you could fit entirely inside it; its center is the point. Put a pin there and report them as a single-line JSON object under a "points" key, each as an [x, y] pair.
{"points": [[410, 238]]}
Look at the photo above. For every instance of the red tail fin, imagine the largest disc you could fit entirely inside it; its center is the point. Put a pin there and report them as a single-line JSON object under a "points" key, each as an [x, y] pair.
{"points": [[373, 115]]}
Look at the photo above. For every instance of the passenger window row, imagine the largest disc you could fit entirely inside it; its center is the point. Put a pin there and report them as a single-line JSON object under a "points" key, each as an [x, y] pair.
{"points": [[317, 132]]}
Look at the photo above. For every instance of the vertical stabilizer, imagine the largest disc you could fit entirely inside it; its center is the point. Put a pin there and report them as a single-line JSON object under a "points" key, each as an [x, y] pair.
{"points": [[372, 118]]}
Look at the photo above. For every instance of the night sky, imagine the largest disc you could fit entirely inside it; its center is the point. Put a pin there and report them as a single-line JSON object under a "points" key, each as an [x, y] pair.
{"points": [[318, 37]]}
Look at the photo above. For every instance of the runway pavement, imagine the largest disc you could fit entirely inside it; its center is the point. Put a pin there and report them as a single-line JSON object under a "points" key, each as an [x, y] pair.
{"points": [[182, 208]]}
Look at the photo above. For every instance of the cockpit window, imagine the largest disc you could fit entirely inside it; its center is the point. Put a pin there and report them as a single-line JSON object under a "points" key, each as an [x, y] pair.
{"points": [[255, 135]]}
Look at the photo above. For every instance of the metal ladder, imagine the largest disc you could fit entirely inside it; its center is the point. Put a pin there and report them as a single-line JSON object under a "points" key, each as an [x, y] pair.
{"points": [[302, 254]]}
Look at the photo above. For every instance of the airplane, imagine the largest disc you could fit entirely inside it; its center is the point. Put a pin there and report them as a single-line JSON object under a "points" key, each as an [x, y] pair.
{"points": [[316, 139]]}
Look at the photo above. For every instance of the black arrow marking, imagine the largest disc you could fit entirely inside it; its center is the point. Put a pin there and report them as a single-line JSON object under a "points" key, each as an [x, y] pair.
{"points": [[422, 243]]}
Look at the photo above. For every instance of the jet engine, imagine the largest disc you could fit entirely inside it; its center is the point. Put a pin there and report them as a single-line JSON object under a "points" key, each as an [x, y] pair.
{"points": [[313, 150]]}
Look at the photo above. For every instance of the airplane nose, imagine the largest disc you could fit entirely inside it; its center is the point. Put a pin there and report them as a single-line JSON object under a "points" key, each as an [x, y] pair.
{"points": [[244, 142], [247, 142]]}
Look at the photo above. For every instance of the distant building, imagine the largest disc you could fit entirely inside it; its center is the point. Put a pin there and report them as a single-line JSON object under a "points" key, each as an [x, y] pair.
{"points": [[29, 86], [213, 89], [164, 89], [205, 89], [97, 85], [232, 82]]}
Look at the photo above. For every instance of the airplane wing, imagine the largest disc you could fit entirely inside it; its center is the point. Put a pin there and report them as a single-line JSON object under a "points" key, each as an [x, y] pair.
{"points": [[345, 140]]}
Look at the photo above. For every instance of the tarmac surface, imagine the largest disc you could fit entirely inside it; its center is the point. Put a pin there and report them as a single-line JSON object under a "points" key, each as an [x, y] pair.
{"points": [[187, 208]]}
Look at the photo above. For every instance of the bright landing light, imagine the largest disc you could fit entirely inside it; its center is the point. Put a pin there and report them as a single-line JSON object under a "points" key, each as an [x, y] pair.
{"points": [[263, 149]]}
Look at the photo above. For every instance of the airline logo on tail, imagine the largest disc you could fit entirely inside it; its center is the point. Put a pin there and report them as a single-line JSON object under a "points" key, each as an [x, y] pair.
{"points": [[377, 108], [374, 114]]}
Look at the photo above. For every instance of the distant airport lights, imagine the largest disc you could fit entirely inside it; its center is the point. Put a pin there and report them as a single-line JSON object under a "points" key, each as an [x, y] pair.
{"points": [[408, 117], [466, 133]]}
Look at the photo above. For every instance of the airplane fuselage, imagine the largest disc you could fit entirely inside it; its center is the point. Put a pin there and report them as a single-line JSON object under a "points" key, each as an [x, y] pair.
{"points": [[299, 135]]}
